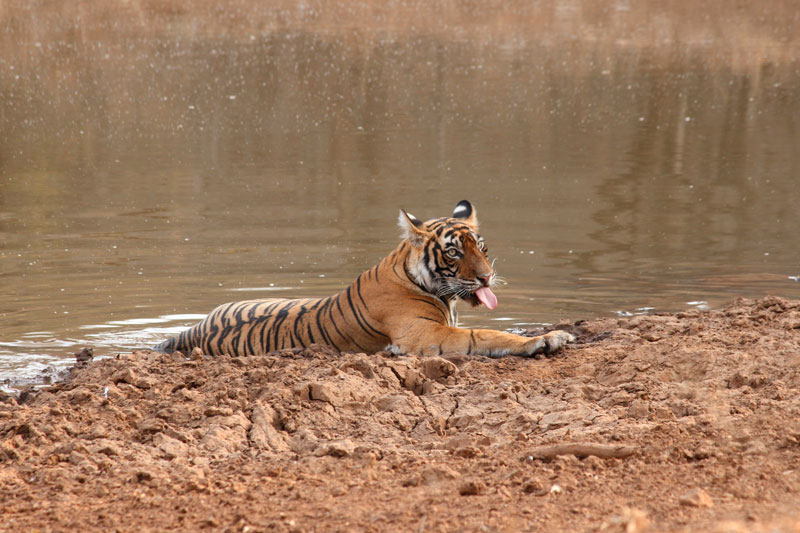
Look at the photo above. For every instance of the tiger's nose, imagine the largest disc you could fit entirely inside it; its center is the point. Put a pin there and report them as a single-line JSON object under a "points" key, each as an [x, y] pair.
{"points": [[485, 279]]}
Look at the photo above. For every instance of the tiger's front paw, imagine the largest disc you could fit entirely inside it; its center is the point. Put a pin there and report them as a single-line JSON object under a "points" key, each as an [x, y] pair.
{"points": [[549, 342]]}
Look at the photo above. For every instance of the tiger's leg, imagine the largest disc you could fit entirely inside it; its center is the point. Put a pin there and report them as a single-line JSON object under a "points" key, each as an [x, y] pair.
{"points": [[441, 339]]}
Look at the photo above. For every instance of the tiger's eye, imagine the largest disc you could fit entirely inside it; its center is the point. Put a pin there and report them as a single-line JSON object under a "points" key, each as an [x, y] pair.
{"points": [[452, 252]]}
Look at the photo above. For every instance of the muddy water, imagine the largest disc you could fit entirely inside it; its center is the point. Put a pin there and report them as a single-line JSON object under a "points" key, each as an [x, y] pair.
{"points": [[154, 164]]}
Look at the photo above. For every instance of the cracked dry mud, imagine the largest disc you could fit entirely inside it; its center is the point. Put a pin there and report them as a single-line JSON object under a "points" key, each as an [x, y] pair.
{"points": [[704, 405]]}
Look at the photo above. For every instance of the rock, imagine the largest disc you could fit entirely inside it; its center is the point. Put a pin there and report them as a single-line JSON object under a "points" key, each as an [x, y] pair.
{"points": [[696, 498], [556, 420], [435, 474], [80, 395], [303, 442], [639, 409], [302, 391], [152, 425], [736, 381], [533, 486], [130, 377], [337, 448], [84, 357], [171, 448], [471, 488], [467, 451], [436, 368], [628, 521], [324, 393], [222, 439], [264, 433], [217, 410], [361, 364]]}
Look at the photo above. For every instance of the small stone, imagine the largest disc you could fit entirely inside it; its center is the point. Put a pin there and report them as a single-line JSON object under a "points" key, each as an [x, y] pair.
{"points": [[471, 488], [696, 498], [152, 425], [131, 378], [436, 367], [171, 448], [80, 395], [736, 381], [628, 521], [197, 354], [323, 392], [533, 486], [467, 452], [337, 448], [84, 356], [639, 409], [302, 391]]}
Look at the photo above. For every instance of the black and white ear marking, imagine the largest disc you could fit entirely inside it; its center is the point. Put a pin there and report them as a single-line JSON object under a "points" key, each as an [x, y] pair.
{"points": [[414, 220], [463, 209], [413, 229]]}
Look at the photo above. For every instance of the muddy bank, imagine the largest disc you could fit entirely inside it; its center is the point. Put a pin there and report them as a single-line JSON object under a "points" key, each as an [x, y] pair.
{"points": [[664, 423]]}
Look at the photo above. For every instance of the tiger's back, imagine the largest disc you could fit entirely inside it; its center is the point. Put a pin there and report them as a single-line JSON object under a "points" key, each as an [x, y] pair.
{"points": [[256, 327]]}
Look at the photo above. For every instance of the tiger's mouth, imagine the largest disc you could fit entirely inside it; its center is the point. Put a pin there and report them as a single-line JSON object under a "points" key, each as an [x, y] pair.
{"points": [[481, 296], [470, 293]]}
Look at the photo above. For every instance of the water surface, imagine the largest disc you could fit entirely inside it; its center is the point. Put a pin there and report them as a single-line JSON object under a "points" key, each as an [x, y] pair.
{"points": [[156, 163]]}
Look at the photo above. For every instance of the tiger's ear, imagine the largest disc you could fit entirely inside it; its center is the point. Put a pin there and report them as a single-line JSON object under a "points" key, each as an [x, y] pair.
{"points": [[466, 213], [413, 228]]}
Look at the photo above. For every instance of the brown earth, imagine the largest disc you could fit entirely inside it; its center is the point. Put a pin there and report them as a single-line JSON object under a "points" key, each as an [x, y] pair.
{"points": [[701, 408]]}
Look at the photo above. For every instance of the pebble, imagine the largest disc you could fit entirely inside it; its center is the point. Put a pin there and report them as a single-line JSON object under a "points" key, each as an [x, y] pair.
{"points": [[471, 488], [696, 498]]}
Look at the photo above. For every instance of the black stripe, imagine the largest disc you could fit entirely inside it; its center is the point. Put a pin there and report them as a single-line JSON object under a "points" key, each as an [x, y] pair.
{"points": [[344, 337], [292, 343], [224, 328], [360, 318], [426, 257], [266, 327], [358, 291], [297, 318], [428, 318], [280, 318], [310, 335], [321, 327], [394, 267]]}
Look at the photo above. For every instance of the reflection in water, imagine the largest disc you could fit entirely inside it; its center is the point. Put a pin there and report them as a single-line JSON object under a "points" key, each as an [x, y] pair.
{"points": [[622, 158]]}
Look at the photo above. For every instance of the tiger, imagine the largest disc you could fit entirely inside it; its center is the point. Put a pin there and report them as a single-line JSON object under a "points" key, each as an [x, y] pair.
{"points": [[404, 304]]}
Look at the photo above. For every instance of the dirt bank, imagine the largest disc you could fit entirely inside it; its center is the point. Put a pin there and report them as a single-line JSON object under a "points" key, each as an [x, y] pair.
{"points": [[701, 410]]}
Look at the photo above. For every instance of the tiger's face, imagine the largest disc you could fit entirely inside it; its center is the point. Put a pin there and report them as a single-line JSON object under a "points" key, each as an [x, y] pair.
{"points": [[449, 257]]}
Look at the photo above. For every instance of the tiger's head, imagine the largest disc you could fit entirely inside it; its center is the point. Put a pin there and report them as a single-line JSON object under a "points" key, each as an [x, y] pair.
{"points": [[449, 258]]}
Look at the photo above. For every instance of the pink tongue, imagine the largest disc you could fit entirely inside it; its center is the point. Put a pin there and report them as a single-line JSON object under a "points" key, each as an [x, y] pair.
{"points": [[487, 297]]}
